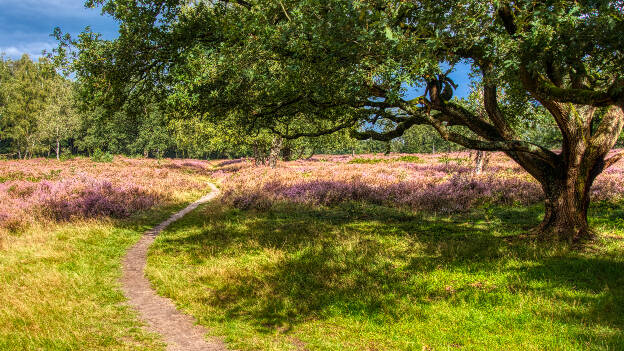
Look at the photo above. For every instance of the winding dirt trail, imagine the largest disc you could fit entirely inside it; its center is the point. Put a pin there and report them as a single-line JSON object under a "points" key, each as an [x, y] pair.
{"points": [[179, 331]]}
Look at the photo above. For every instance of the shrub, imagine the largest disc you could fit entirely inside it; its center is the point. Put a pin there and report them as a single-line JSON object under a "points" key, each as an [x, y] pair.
{"points": [[404, 158], [409, 158], [101, 156], [361, 160], [66, 155]]}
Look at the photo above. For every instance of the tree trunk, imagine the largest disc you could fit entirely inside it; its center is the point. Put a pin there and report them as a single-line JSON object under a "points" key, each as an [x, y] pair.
{"points": [[312, 154], [565, 216], [256, 154], [274, 152], [286, 153], [58, 150], [479, 161], [299, 154]]}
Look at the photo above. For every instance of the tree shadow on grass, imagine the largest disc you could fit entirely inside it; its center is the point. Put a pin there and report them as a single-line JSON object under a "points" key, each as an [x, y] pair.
{"points": [[374, 262]]}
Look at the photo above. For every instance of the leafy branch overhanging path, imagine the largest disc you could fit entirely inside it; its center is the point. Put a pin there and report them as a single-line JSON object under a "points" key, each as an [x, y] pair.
{"points": [[179, 331]]}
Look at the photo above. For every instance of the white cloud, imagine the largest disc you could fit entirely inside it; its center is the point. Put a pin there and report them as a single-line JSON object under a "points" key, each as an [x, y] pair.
{"points": [[34, 49]]}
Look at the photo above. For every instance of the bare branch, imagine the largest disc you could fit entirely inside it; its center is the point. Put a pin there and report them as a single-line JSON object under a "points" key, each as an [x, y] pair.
{"points": [[543, 89], [490, 102], [398, 131], [285, 12], [506, 15], [613, 160], [496, 145]]}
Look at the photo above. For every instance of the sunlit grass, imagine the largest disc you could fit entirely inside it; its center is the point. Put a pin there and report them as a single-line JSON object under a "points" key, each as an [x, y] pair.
{"points": [[59, 286], [364, 277], [369, 160]]}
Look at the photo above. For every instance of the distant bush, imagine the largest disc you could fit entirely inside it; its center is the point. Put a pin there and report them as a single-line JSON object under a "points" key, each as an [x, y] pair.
{"points": [[406, 158], [67, 155], [101, 156], [360, 160]]}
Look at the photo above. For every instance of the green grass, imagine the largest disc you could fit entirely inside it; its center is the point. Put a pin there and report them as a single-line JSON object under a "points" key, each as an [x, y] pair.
{"points": [[405, 158], [59, 286], [53, 175], [363, 277]]}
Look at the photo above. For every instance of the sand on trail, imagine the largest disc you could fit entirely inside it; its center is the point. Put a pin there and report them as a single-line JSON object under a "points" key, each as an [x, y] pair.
{"points": [[179, 331]]}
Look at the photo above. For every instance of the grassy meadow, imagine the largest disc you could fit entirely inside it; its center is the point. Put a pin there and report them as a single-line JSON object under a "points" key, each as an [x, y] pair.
{"points": [[399, 252], [367, 277]]}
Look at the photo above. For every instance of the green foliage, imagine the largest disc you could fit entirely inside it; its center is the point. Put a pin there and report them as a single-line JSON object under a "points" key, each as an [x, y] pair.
{"points": [[153, 135], [41, 111], [59, 120], [24, 92], [38, 109], [101, 156], [301, 68], [358, 160], [423, 139], [66, 155], [408, 158], [404, 158]]}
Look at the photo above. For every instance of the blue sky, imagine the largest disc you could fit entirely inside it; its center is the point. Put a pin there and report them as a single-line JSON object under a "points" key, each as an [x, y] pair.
{"points": [[26, 25]]}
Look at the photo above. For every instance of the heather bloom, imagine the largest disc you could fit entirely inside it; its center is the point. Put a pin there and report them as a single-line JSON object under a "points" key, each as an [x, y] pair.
{"points": [[93, 198], [440, 183], [41, 189]]}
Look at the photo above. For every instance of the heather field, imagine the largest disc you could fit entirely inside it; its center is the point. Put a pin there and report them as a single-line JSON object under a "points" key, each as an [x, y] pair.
{"points": [[42, 191], [436, 183], [366, 252]]}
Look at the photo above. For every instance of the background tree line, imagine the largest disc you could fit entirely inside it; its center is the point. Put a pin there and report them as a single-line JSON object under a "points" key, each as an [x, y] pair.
{"points": [[43, 113]]}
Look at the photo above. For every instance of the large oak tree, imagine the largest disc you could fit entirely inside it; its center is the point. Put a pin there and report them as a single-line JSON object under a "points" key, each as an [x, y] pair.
{"points": [[310, 67]]}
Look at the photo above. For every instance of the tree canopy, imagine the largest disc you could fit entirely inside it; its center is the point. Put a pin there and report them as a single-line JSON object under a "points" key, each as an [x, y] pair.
{"points": [[23, 92], [303, 68]]}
